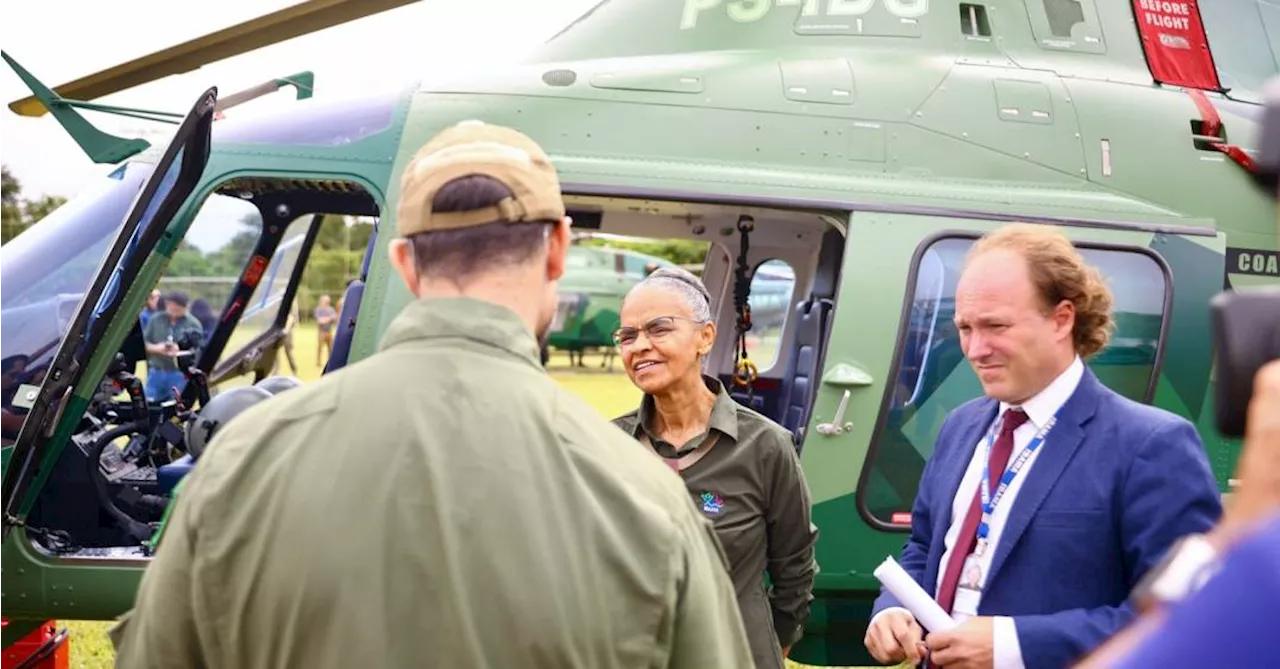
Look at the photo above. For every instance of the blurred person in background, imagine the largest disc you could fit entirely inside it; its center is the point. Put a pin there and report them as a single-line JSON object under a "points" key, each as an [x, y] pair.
{"points": [[1216, 602], [326, 317], [165, 329]]}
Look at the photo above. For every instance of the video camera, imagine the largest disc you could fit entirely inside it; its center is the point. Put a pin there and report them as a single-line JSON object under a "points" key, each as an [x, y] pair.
{"points": [[189, 343], [190, 340], [1246, 326]]}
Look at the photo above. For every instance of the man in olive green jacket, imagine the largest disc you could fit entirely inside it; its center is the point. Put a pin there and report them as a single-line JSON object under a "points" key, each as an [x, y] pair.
{"points": [[443, 502]]}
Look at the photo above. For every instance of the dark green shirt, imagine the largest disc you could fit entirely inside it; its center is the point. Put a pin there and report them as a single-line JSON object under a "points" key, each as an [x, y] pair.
{"points": [[441, 503], [750, 485], [160, 327]]}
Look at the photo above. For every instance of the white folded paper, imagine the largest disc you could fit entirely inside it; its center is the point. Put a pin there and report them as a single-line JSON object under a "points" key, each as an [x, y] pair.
{"points": [[927, 612]]}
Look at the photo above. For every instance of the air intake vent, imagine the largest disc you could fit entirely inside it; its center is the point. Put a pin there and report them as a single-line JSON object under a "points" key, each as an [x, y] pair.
{"points": [[559, 77], [973, 20]]}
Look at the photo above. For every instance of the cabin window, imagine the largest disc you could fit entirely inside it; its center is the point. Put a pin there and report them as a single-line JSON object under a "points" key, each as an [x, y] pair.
{"points": [[211, 257], [931, 376], [268, 297], [772, 287]]}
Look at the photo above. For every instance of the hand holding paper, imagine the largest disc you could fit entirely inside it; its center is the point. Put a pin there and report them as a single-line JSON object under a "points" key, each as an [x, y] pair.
{"points": [[913, 597]]}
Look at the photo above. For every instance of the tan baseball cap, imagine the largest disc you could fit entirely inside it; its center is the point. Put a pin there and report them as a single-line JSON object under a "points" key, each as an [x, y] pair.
{"points": [[477, 148]]}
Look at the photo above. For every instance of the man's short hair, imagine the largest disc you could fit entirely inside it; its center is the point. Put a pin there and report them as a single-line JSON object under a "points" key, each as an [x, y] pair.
{"points": [[461, 253], [475, 196], [177, 297], [1059, 272]]}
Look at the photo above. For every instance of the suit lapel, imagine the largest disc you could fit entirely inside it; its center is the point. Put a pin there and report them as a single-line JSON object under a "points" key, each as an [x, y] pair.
{"points": [[1059, 448], [957, 462]]}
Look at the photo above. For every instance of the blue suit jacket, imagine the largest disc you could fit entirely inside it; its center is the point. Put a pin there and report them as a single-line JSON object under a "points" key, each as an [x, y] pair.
{"points": [[1115, 484]]}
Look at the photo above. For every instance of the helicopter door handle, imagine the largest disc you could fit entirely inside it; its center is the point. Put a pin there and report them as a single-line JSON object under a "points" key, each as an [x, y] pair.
{"points": [[849, 375], [838, 425]]}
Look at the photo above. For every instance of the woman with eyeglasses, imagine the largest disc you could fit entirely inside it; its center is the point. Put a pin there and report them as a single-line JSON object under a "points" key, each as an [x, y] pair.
{"points": [[741, 468]]}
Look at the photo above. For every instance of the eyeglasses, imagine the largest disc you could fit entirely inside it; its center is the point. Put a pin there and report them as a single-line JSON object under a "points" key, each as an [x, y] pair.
{"points": [[655, 330]]}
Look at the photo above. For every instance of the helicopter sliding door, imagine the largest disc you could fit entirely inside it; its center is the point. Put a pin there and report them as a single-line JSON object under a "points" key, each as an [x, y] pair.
{"points": [[894, 369]]}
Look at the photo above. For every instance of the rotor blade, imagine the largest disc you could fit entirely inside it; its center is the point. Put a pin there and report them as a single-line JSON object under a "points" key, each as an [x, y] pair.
{"points": [[293, 21]]}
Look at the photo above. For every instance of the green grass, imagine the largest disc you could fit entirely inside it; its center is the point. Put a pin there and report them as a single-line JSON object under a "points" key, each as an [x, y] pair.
{"points": [[609, 393]]}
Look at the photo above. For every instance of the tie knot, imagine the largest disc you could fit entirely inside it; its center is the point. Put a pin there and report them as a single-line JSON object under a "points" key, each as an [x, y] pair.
{"points": [[1013, 418]]}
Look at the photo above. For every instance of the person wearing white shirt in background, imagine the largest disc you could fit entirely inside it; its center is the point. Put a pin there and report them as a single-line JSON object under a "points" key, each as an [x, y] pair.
{"points": [[1086, 489]]}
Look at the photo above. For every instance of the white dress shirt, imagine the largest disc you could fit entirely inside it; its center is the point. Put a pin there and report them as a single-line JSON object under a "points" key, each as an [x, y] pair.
{"points": [[1007, 653]]}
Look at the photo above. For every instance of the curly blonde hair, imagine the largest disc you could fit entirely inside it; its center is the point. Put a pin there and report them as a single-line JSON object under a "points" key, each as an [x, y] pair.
{"points": [[1059, 273]]}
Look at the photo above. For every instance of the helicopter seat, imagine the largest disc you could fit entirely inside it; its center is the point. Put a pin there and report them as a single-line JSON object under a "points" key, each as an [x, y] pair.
{"points": [[754, 402], [168, 476], [346, 326], [800, 376]]}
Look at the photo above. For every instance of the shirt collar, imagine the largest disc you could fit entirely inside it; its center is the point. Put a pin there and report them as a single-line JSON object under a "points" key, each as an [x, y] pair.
{"points": [[1045, 404], [467, 318], [724, 413]]}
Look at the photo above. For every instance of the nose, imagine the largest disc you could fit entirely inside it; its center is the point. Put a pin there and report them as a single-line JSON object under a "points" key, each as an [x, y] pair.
{"points": [[641, 342], [638, 345], [976, 346]]}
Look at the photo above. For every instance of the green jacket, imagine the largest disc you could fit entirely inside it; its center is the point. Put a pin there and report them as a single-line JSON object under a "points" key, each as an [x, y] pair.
{"points": [[160, 328], [442, 503], [751, 486]]}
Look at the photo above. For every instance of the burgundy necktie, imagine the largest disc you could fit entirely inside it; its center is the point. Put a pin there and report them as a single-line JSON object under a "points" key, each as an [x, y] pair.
{"points": [[969, 530]]}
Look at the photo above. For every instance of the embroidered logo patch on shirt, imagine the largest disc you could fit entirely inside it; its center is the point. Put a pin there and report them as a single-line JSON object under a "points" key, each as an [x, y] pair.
{"points": [[711, 504]]}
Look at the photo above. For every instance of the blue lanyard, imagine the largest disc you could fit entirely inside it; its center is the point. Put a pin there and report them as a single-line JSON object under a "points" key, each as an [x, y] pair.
{"points": [[988, 502]]}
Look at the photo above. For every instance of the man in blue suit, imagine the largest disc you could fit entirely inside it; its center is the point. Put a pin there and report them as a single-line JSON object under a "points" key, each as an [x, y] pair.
{"points": [[1085, 490]]}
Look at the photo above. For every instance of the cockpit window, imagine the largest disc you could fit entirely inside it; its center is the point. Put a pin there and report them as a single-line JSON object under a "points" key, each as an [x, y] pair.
{"points": [[60, 254], [45, 271]]}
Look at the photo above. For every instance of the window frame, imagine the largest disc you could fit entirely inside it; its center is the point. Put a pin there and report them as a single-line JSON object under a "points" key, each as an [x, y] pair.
{"points": [[217, 361], [904, 321], [788, 309], [229, 361]]}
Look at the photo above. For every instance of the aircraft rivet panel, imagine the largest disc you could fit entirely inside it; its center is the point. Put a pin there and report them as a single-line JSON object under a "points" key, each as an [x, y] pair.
{"points": [[1027, 118], [828, 80], [1023, 101]]}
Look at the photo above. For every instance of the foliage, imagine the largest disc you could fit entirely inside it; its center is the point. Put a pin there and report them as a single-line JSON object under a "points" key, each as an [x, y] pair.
{"points": [[333, 262], [229, 260], [20, 213]]}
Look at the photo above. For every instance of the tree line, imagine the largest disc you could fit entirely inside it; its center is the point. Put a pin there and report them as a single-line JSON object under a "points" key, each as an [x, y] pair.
{"points": [[333, 262], [20, 213]]}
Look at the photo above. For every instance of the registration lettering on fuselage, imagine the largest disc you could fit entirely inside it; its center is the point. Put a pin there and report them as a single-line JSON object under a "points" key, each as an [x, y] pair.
{"points": [[750, 11]]}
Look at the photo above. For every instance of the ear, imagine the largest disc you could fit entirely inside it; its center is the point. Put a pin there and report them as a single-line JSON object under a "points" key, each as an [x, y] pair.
{"points": [[558, 248], [706, 338], [400, 252], [1064, 318]]}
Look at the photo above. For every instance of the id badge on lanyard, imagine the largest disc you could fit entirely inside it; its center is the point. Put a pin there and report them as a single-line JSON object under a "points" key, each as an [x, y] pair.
{"points": [[972, 577], [969, 589]]}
